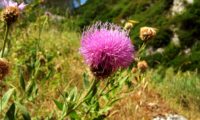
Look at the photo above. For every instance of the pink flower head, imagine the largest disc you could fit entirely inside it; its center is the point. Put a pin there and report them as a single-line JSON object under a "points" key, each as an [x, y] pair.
{"points": [[106, 47], [10, 3]]}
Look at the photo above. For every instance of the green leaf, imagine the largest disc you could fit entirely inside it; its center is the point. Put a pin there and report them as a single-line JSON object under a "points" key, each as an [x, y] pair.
{"points": [[64, 111], [24, 111], [104, 110], [73, 94], [31, 89], [74, 116], [123, 80], [6, 98], [114, 101], [92, 93], [101, 117], [22, 81], [48, 75], [58, 104], [10, 114], [86, 82]]}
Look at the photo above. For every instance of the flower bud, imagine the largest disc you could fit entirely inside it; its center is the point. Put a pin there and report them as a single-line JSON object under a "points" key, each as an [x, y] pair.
{"points": [[10, 14], [58, 67], [142, 66], [134, 70], [4, 68], [130, 24], [42, 1], [147, 33], [41, 58]]}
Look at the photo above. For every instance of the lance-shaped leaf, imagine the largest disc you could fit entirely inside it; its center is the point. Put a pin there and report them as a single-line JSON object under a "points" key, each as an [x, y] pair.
{"points": [[22, 81], [86, 82], [10, 114], [23, 111], [5, 99], [58, 104]]}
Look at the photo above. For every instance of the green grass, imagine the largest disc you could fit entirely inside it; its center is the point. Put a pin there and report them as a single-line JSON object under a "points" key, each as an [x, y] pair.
{"points": [[180, 89], [59, 45]]}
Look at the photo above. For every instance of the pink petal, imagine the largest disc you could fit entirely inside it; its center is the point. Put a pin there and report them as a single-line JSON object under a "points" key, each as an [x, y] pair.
{"points": [[3, 3], [22, 6], [11, 3]]}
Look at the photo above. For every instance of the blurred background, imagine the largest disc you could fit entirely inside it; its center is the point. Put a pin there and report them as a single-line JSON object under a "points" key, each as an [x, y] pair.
{"points": [[177, 21]]}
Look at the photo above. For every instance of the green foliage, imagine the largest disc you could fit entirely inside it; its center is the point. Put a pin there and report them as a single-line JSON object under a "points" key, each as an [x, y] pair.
{"points": [[59, 105], [174, 57], [156, 14], [24, 111], [5, 98], [88, 105], [189, 25], [22, 81], [10, 114], [32, 55], [180, 86], [115, 11]]}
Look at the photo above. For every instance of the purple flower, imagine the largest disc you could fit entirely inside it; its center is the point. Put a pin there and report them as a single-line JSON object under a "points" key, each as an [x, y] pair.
{"points": [[106, 47], [11, 11], [10, 3]]}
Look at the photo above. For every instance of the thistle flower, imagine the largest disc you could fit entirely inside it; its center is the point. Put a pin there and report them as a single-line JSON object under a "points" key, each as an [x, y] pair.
{"points": [[4, 68], [11, 10], [147, 33], [142, 65], [106, 47]]}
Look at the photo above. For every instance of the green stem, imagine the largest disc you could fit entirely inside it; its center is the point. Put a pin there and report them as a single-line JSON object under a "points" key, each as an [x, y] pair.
{"points": [[42, 26], [142, 48], [5, 40], [84, 98], [101, 92], [2, 96]]}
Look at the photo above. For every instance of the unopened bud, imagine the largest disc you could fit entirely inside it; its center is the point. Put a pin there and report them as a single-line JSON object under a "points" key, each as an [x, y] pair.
{"points": [[130, 24], [142, 66], [41, 58], [147, 33], [58, 67], [134, 70], [4, 68]]}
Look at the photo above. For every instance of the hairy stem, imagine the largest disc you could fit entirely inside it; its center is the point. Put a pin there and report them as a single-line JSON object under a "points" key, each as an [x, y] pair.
{"points": [[5, 40]]}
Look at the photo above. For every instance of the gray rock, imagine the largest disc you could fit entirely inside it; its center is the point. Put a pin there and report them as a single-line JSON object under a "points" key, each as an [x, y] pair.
{"points": [[170, 117], [175, 117]]}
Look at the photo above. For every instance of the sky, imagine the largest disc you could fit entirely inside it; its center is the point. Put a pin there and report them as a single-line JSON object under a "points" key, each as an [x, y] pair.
{"points": [[82, 2]]}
